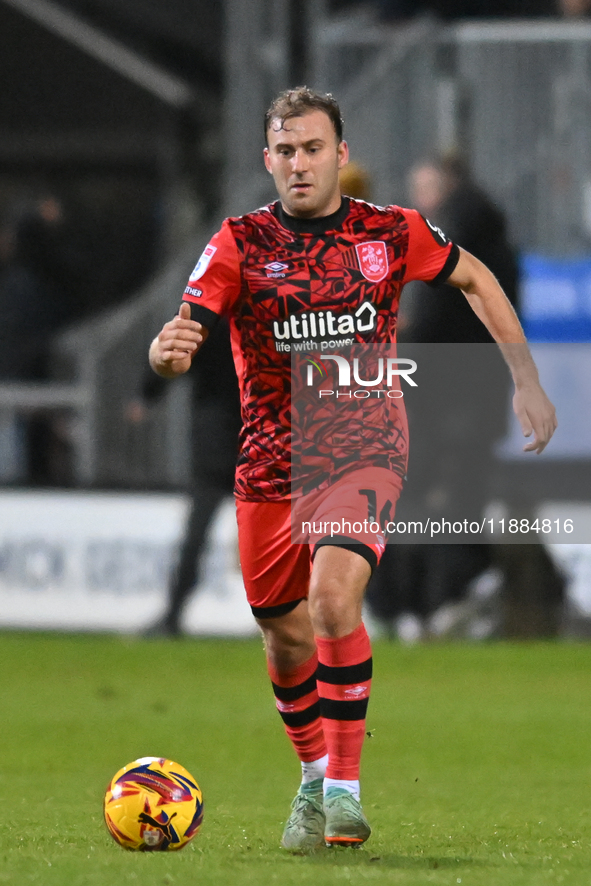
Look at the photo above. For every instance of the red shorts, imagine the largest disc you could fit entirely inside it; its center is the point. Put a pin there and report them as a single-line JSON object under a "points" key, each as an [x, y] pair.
{"points": [[278, 540]]}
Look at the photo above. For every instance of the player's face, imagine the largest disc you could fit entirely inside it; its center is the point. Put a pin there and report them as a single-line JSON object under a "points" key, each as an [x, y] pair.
{"points": [[304, 158]]}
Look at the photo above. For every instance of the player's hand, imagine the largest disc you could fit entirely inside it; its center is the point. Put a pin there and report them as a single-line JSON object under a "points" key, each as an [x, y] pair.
{"points": [[176, 344], [536, 415]]}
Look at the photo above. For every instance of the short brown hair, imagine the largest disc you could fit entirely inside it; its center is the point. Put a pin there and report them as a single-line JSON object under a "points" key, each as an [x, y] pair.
{"points": [[301, 100]]}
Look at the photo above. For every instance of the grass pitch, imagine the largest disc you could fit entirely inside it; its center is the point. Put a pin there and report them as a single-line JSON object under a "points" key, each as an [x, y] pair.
{"points": [[477, 772]]}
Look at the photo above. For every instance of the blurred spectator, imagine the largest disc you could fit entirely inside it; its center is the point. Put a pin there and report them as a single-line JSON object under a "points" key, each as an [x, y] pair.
{"points": [[42, 247], [31, 449], [443, 191], [452, 436], [575, 8], [25, 314], [450, 458], [354, 181], [216, 425]]}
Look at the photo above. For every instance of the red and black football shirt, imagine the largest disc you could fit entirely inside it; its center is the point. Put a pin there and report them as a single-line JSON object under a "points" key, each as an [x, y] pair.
{"points": [[287, 283]]}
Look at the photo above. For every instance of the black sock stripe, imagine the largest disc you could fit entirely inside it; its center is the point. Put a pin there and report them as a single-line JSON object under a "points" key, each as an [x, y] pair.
{"points": [[301, 718], [358, 673], [292, 693], [343, 710]]}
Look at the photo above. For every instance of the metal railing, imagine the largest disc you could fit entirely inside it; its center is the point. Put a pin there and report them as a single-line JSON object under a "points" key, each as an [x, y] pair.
{"points": [[105, 362], [514, 97], [108, 358], [20, 400], [529, 127]]}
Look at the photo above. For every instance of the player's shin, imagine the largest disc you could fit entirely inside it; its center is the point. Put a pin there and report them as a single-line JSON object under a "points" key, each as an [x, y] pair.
{"points": [[344, 683], [296, 697], [297, 701]]}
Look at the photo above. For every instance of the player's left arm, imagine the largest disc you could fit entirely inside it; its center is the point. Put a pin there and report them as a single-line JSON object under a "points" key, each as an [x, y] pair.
{"points": [[531, 405]]}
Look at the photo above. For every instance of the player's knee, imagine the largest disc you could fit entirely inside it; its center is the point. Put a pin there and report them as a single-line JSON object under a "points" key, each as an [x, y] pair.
{"points": [[285, 657], [333, 614], [288, 642]]}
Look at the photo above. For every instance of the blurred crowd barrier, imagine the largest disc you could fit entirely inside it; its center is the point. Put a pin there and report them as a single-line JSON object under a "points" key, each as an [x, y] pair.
{"points": [[98, 369], [100, 561]]}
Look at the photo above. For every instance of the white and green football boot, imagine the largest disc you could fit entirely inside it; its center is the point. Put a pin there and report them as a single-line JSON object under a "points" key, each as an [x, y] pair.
{"points": [[346, 825], [304, 829]]}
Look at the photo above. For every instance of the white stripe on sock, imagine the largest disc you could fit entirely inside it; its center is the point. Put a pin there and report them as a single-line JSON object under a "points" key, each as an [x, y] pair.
{"points": [[314, 769], [351, 786]]}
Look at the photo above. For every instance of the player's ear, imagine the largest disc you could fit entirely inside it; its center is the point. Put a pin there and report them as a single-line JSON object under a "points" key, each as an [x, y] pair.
{"points": [[267, 159], [343, 153]]}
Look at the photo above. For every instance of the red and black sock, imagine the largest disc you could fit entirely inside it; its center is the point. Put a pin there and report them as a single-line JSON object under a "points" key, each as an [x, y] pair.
{"points": [[296, 697], [344, 684]]}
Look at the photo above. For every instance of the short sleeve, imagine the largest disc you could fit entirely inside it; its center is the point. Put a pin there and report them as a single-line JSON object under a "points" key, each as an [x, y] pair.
{"points": [[215, 282], [431, 256]]}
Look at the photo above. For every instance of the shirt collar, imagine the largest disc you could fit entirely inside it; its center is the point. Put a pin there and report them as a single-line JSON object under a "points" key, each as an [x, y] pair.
{"points": [[312, 225]]}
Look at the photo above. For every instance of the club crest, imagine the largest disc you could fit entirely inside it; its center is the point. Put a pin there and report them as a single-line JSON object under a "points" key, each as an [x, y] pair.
{"points": [[373, 260]]}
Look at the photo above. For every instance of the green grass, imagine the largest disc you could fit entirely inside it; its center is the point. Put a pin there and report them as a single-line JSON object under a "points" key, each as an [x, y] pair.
{"points": [[478, 771]]}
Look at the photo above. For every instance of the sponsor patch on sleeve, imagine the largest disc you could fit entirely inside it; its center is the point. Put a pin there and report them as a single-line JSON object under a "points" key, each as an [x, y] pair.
{"points": [[196, 293], [437, 233], [201, 266]]}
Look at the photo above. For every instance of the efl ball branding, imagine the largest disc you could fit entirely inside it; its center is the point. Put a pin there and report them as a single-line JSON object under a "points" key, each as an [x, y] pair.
{"points": [[153, 804]]}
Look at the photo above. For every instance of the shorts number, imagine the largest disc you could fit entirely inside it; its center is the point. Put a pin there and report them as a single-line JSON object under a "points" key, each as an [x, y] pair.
{"points": [[372, 508]]}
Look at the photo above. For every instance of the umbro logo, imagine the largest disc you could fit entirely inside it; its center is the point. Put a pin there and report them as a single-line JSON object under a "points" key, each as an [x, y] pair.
{"points": [[283, 707], [356, 691], [276, 269]]}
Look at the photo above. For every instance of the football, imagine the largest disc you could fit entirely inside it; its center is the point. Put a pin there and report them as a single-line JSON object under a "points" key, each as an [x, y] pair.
{"points": [[153, 805]]}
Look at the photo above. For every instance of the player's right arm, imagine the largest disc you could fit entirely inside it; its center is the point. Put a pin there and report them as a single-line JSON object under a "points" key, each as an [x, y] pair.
{"points": [[213, 288], [173, 349]]}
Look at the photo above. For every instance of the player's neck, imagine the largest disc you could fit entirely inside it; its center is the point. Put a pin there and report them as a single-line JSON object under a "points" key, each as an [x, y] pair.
{"points": [[317, 225]]}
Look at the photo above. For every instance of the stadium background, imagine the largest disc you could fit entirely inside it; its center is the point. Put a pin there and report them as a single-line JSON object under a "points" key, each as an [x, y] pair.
{"points": [[142, 122]]}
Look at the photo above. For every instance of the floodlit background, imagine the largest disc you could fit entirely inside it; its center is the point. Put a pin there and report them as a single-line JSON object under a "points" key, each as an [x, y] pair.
{"points": [[128, 130]]}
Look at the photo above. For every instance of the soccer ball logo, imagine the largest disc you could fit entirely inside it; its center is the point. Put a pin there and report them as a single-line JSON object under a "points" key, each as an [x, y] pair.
{"points": [[152, 805]]}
